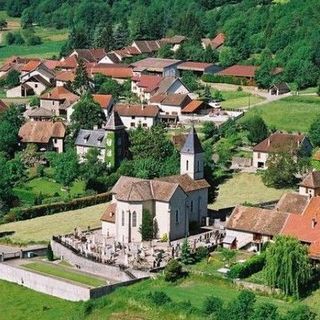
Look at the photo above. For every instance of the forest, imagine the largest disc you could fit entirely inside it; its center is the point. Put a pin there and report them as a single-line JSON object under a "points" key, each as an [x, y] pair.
{"points": [[259, 32]]}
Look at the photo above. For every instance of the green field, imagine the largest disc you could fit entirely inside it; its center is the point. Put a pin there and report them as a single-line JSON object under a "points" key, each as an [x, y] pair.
{"points": [[239, 99], [48, 188], [65, 273], [43, 228], [244, 187], [290, 114], [52, 41]]}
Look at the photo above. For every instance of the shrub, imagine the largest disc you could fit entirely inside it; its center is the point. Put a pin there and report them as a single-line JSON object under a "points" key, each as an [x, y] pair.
{"points": [[246, 269], [47, 209], [212, 305], [173, 271], [159, 298], [33, 40], [50, 253], [164, 238], [201, 253], [40, 170]]}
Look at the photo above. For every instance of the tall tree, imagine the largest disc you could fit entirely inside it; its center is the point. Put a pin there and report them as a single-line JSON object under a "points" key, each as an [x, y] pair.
{"points": [[186, 255], [314, 132], [287, 265], [87, 114], [81, 81], [146, 227], [256, 128], [103, 37]]}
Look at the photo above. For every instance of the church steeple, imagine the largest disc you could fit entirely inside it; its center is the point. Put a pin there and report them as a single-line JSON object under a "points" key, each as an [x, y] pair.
{"points": [[192, 156]]}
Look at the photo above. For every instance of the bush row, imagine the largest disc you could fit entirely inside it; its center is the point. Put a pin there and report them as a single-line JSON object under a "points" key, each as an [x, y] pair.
{"points": [[246, 269], [225, 79], [47, 209]]}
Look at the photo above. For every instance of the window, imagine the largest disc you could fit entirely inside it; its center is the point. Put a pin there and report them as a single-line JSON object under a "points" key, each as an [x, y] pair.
{"points": [[177, 216], [132, 124], [55, 140], [191, 206], [134, 219], [53, 103], [133, 117], [145, 118], [36, 85], [144, 125], [259, 155], [119, 141], [187, 165], [122, 218]]}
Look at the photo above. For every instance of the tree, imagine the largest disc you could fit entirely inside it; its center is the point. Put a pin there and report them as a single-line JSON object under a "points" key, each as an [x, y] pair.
{"points": [[6, 193], [212, 306], [12, 78], [314, 132], [50, 256], [81, 81], [165, 52], [121, 34], [66, 167], [3, 24], [186, 255], [16, 171], [227, 56], [256, 128], [263, 75], [209, 130], [103, 37], [242, 306], [146, 227], [87, 114], [172, 271], [190, 80], [266, 311], [281, 170], [228, 255], [207, 96], [287, 265]]}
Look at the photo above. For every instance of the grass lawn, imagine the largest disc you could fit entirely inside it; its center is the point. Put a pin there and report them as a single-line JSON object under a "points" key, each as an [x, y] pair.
{"points": [[239, 99], [290, 114], [41, 229], [47, 187], [65, 273], [244, 187], [17, 302]]}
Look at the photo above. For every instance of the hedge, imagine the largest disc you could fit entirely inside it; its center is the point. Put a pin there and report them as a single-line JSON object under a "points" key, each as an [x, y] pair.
{"points": [[47, 209], [225, 79], [248, 268]]}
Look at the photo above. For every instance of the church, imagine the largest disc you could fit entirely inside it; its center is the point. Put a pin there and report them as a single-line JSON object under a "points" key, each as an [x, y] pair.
{"points": [[174, 202]]}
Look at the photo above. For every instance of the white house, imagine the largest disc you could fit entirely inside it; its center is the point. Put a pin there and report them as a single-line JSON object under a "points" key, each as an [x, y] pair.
{"points": [[173, 202], [171, 103], [295, 144], [310, 185], [134, 115]]}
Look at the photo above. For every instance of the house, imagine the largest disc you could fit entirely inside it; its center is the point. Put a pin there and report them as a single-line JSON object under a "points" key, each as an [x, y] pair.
{"points": [[171, 103], [250, 227], [174, 202], [279, 88], [13, 63], [34, 79], [198, 68], [39, 114], [105, 101], [47, 135], [245, 73], [146, 46], [215, 43], [58, 101], [64, 78], [134, 115], [69, 63], [146, 86], [295, 144], [112, 142], [196, 107], [310, 185], [118, 72], [174, 41], [89, 55], [156, 66]]}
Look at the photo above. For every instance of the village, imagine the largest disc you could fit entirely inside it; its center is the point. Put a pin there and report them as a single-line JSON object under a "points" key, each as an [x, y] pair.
{"points": [[138, 168]]}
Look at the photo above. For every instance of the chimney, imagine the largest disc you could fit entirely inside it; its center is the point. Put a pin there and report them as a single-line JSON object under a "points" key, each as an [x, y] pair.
{"points": [[313, 223]]}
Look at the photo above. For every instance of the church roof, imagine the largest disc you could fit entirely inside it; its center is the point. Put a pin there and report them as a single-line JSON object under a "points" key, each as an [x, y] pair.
{"points": [[114, 122], [192, 144]]}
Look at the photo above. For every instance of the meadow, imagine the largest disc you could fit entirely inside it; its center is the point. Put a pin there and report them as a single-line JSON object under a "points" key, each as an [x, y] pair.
{"points": [[40, 230], [291, 114], [244, 188], [239, 99]]}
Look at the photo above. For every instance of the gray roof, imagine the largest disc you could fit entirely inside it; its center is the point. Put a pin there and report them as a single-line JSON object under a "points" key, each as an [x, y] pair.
{"points": [[39, 112], [192, 144], [92, 138], [114, 122]]}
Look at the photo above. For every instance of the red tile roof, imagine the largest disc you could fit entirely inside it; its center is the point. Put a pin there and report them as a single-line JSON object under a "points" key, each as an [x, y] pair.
{"points": [[110, 214], [280, 142], [312, 180], [218, 40], [239, 71], [104, 100], [148, 82], [69, 63], [194, 66], [60, 93], [193, 106], [31, 65], [65, 76], [138, 110], [51, 64], [119, 72]]}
